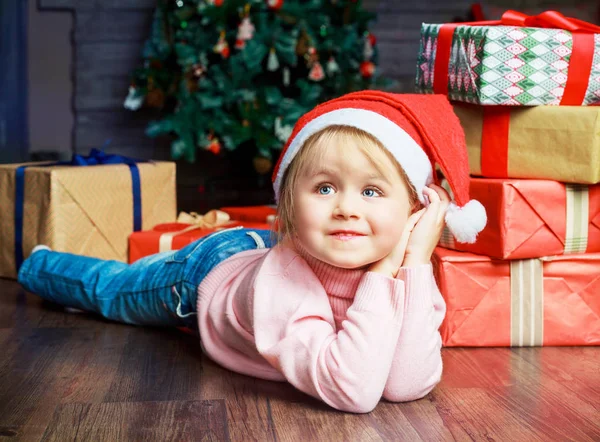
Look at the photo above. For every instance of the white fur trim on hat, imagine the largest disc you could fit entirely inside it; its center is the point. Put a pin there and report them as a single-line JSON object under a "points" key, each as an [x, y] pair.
{"points": [[466, 222], [409, 154]]}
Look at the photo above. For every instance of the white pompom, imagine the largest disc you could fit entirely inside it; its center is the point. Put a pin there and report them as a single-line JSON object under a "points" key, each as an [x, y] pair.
{"points": [[467, 221]]}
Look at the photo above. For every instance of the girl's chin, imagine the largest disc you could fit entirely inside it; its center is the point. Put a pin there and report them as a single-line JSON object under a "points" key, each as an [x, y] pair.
{"points": [[345, 263]]}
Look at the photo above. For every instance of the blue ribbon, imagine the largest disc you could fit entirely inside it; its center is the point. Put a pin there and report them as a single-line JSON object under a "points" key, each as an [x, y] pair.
{"points": [[95, 157]]}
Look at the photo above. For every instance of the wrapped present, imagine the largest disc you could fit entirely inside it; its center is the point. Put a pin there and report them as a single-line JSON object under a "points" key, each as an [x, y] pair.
{"points": [[520, 303], [187, 229], [87, 210], [559, 143], [521, 60], [533, 218], [259, 214]]}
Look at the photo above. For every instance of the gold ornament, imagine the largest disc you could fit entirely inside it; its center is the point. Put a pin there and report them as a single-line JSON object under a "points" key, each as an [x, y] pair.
{"points": [[262, 165]]}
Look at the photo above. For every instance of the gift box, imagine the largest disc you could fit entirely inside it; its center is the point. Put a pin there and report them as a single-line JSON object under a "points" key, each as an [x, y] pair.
{"points": [[521, 303], [519, 60], [559, 143], [259, 214], [533, 218], [187, 229], [87, 210]]}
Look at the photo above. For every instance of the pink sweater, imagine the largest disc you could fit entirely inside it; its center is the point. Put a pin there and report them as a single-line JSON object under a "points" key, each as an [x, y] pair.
{"points": [[347, 337]]}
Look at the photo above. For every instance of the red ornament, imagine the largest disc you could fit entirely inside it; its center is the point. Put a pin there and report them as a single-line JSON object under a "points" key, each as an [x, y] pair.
{"points": [[217, 3], [240, 44], [222, 47], [367, 69], [372, 39], [316, 72], [214, 146], [275, 4]]}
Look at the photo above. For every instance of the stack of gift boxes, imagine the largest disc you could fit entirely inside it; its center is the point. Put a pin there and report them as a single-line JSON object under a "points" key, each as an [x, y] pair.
{"points": [[524, 89]]}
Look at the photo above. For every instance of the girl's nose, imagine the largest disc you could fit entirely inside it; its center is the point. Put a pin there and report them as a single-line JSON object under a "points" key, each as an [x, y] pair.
{"points": [[346, 206]]}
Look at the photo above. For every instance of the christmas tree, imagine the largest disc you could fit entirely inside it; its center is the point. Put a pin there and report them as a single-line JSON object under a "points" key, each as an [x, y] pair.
{"points": [[236, 74]]}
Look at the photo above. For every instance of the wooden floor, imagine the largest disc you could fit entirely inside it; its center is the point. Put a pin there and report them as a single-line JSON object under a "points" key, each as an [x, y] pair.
{"points": [[66, 377]]}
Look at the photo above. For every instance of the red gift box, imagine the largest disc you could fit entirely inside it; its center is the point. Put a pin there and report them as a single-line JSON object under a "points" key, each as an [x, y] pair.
{"points": [[533, 218], [175, 236], [259, 214], [551, 301]]}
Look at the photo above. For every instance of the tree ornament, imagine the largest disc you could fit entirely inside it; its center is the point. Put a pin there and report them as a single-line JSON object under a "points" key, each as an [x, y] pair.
{"points": [[217, 3], [272, 62], [286, 76], [332, 66], [275, 4], [133, 101], [240, 44], [155, 98], [214, 145], [245, 29], [179, 3], [262, 165], [372, 38], [198, 70], [302, 44], [222, 47], [368, 50], [316, 72], [367, 69], [282, 133]]}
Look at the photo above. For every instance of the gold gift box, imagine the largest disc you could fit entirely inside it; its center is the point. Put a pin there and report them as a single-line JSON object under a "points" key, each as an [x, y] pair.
{"points": [[86, 210], [560, 143]]}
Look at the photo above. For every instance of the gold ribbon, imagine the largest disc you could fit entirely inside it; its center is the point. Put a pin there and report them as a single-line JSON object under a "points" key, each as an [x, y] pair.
{"points": [[527, 302], [211, 220]]}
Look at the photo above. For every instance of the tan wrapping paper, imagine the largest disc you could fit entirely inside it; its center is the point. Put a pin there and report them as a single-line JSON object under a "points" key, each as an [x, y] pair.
{"points": [[83, 210], [559, 143]]}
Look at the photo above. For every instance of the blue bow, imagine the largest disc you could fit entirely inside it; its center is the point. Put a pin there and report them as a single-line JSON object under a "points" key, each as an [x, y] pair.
{"points": [[96, 157]]}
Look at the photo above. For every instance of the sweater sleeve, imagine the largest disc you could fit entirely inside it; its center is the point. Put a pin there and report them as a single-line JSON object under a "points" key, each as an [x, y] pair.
{"points": [[295, 332], [417, 363]]}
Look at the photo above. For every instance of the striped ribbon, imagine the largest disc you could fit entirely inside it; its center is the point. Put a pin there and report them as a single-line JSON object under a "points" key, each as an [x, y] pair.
{"points": [[527, 303], [578, 209], [447, 240]]}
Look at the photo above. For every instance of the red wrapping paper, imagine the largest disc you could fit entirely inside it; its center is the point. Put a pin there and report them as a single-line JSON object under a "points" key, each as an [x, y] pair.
{"points": [[489, 305], [528, 219], [146, 242]]}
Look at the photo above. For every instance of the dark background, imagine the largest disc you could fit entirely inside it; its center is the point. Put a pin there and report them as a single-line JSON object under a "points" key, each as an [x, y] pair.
{"points": [[66, 68]]}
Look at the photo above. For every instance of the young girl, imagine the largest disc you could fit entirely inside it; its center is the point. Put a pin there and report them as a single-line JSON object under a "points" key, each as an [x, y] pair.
{"points": [[344, 306]]}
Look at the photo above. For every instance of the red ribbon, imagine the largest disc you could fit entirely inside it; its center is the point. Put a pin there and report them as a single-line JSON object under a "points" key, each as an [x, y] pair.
{"points": [[496, 119], [494, 141], [582, 53]]}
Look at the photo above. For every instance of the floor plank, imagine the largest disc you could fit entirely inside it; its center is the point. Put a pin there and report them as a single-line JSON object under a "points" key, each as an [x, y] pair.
{"points": [[77, 377], [139, 421]]}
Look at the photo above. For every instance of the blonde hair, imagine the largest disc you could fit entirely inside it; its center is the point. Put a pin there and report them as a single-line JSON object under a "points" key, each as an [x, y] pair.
{"points": [[311, 153]]}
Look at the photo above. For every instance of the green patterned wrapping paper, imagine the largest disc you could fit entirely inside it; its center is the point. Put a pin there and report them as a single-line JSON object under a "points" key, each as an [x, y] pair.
{"points": [[505, 65]]}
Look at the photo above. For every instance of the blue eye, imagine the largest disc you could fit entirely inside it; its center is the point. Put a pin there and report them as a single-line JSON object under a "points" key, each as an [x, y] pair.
{"points": [[370, 193], [325, 190]]}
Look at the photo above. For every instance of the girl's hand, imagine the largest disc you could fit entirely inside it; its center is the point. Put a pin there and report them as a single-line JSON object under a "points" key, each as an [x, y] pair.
{"points": [[426, 234], [390, 264]]}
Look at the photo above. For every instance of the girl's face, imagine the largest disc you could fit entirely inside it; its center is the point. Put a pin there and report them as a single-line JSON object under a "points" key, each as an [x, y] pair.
{"points": [[347, 213]]}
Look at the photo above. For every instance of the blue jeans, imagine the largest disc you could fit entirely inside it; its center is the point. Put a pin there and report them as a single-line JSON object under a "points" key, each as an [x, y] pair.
{"points": [[159, 289]]}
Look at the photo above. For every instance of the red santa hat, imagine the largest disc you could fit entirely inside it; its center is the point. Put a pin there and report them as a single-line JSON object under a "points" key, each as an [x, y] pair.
{"points": [[419, 131]]}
